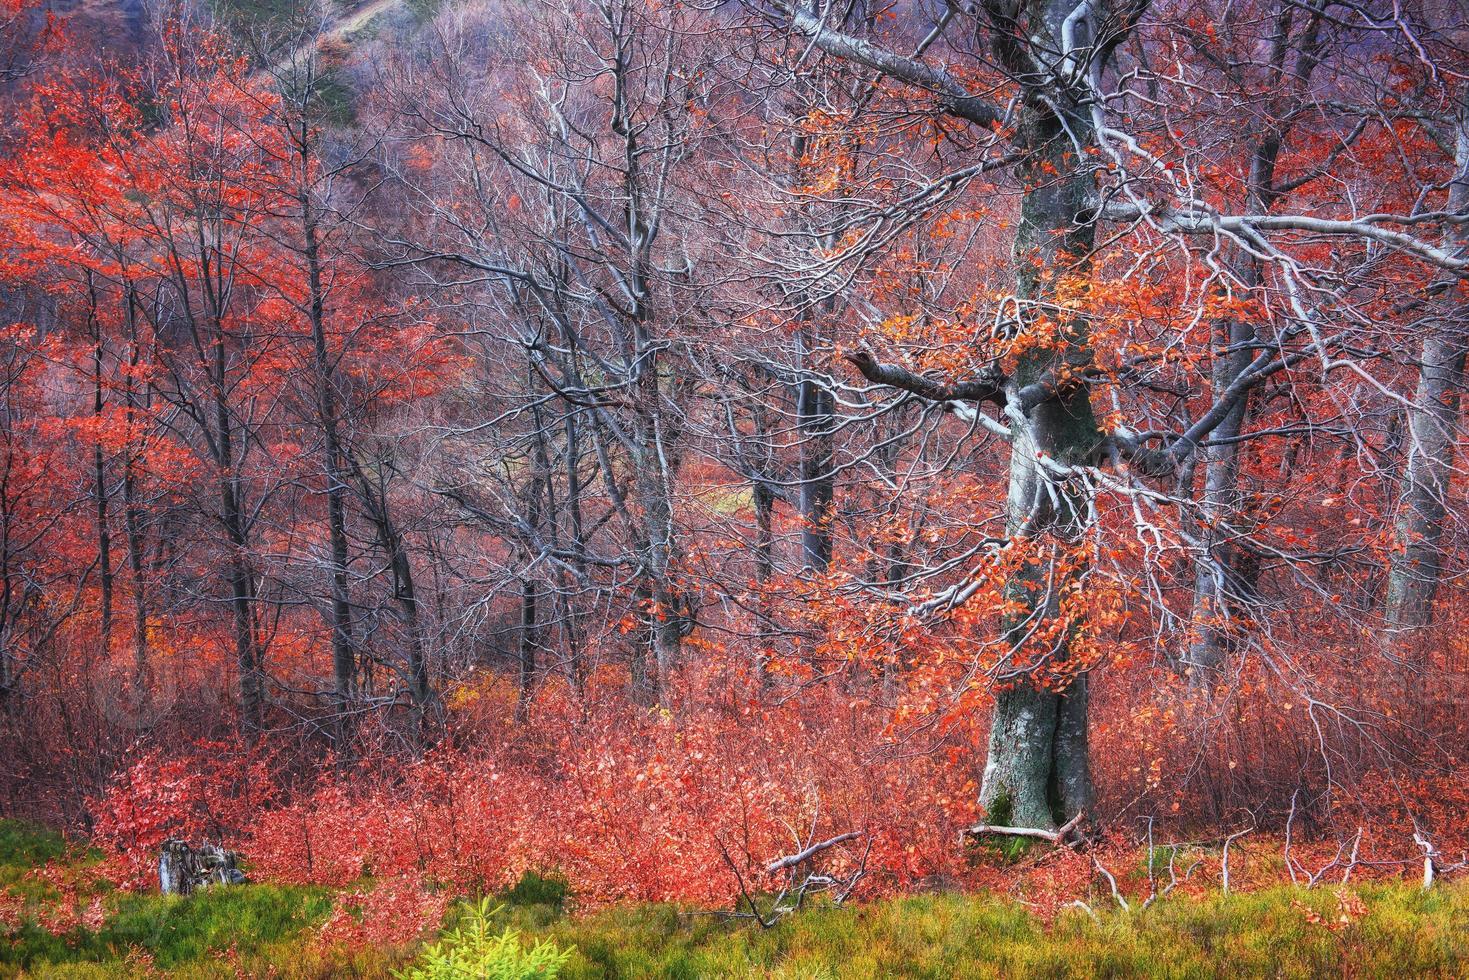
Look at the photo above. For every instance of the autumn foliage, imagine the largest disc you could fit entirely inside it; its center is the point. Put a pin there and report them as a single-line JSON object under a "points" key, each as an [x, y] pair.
{"points": [[431, 463]]}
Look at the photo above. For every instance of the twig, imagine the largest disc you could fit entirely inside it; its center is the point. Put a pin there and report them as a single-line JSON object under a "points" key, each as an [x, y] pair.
{"points": [[1432, 865], [1290, 864], [1224, 868], [754, 912], [1113, 883], [1085, 908]]}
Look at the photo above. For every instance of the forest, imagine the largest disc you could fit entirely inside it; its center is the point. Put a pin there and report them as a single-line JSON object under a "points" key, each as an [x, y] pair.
{"points": [[733, 487]]}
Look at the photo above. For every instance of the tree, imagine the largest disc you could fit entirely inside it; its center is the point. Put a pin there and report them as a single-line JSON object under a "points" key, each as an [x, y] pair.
{"points": [[1082, 151], [1433, 426]]}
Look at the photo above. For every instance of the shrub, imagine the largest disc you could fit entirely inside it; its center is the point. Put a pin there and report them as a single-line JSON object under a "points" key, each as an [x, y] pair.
{"points": [[471, 951]]}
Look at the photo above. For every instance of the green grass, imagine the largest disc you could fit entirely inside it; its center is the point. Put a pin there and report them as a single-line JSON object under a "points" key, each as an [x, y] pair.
{"points": [[1404, 933], [265, 930], [209, 934], [24, 845], [170, 931]]}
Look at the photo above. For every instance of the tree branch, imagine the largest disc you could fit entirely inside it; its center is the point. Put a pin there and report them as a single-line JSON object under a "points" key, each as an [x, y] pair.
{"points": [[953, 97], [987, 387], [791, 860]]}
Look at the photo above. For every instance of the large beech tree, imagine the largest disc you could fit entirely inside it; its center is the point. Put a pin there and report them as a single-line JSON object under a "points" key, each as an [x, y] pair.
{"points": [[1064, 103]]}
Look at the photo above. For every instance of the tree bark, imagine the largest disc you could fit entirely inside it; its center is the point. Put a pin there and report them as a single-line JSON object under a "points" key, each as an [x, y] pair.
{"points": [[1219, 580], [1417, 564], [1038, 772], [132, 511], [530, 627], [99, 471], [570, 615], [1216, 580], [344, 656], [529, 641], [1433, 427], [390, 539], [814, 420]]}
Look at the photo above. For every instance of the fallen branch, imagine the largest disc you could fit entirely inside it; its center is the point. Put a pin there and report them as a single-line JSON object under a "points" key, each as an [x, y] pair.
{"points": [[1057, 836], [791, 860]]}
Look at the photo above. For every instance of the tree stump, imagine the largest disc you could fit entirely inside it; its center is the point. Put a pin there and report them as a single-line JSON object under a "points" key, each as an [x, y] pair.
{"points": [[183, 869]]}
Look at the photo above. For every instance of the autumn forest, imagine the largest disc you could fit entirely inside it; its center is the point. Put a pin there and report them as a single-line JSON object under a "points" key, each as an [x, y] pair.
{"points": [[765, 457]]}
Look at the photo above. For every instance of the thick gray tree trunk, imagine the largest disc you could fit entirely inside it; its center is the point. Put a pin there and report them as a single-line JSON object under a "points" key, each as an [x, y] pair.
{"points": [[1417, 565], [1038, 771], [1433, 427]]}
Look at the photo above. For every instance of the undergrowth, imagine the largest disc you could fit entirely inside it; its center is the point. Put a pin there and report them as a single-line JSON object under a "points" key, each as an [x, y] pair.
{"points": [[1371, 929]]}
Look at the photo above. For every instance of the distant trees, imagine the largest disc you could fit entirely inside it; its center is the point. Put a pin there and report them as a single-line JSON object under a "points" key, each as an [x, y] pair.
{"points": [[566, 220], [229, 331]]}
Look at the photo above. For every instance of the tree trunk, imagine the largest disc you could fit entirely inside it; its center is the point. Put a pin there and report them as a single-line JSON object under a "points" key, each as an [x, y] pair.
{"points": [[99, 473], [241, 583], [1417, 564], [1037, 773], [420, 687], [138, 563], [131, 508], [814, 420], [529, 640], [1216, 580], [570, 617], [252, 683], [344, 656], [405, 592], [663, 604], [1433, 428], [764, 573]]}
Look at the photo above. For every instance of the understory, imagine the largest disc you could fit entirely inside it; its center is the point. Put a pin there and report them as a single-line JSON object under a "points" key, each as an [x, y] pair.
{"points": [[61, 920]]}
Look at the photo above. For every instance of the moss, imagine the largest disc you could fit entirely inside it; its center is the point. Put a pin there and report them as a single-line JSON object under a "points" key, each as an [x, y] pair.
{"points": [[1001, 848]]}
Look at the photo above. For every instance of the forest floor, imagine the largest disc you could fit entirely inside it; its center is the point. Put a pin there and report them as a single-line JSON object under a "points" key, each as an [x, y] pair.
{"points": [[52, 927]]}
